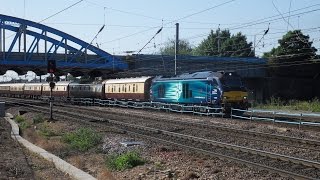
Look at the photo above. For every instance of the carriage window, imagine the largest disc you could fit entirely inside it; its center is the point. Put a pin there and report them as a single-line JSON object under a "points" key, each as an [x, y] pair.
{"points": [[122, 88], [134, 88], [125, 89], [64, 88], [119, 88], [112, 89], [129, 88]]}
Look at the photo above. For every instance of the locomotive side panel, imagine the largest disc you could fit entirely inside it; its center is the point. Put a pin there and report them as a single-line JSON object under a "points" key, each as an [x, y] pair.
{"points": [[202, 92]]}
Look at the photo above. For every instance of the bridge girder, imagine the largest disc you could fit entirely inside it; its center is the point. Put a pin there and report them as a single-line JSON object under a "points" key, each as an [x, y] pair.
{"points": [[75, 54]]}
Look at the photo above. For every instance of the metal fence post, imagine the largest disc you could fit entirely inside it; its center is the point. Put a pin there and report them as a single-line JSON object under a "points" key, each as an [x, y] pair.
{"points": [[274, 117], [300, 121]]}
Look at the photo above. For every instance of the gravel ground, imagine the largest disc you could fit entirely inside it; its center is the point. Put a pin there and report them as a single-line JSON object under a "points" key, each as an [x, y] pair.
{"points": [[164, 161]]}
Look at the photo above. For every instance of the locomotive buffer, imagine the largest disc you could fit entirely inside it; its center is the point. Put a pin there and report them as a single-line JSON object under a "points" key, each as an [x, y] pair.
{"points": [[51, 70]]}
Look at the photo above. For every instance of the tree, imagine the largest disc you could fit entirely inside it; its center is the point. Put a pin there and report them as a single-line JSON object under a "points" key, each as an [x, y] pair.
{"points": [[184, 48], [237, 46], [294, 46], [223, 44]]}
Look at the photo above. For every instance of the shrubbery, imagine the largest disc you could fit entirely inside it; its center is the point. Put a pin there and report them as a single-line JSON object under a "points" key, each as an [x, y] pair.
{"points": [[82, 139], [23, 124], [124, 161]]}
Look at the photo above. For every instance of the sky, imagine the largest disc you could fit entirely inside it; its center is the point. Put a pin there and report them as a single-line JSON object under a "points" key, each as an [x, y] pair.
{"points": [[129, 25]]}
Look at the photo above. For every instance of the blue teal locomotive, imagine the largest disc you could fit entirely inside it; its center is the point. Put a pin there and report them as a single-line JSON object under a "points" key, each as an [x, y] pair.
{"points": [[214, 89]]}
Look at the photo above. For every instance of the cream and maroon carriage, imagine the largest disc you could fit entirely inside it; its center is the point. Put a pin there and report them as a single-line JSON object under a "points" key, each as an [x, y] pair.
{"points": [[17, 89], [60, 91], [4, 89], [33, 90], [135, 89]]}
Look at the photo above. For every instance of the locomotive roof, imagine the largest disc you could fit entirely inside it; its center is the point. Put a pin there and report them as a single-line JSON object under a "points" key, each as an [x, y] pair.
{"points": [[127, 80], [195, 75]]}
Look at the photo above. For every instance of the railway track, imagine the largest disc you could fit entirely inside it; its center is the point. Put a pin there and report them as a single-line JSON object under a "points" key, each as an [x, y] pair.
{"points": [[252, 135], [240, 133], [285, 165]]}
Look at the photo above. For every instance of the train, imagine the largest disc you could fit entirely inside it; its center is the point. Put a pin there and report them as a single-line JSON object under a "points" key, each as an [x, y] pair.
{"points": [[207, 88]]}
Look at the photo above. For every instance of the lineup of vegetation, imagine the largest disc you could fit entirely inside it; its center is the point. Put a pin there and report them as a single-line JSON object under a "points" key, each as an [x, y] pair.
{"points": [[294, 45]]}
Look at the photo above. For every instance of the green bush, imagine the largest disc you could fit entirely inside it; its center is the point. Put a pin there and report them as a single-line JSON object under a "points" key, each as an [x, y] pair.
{"points": [[83, 139], [124, 161], [24, 125], [38, 119], [45, 130], [19, 119]]}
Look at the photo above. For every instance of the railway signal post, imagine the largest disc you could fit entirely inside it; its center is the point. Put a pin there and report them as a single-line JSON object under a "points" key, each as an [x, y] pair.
{"points": [[51, 69]]}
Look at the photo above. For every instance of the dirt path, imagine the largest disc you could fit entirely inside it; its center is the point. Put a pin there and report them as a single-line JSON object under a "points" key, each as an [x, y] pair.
{"points": [[17, 163], [14, 163]]}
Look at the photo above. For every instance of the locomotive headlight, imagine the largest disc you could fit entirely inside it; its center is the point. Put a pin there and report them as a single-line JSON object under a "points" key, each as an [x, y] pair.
{"points": [[225, 97], [245, 97]]}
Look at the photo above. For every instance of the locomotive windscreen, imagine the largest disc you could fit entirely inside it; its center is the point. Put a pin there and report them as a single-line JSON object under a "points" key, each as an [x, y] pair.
{"points": [[231, 80]]}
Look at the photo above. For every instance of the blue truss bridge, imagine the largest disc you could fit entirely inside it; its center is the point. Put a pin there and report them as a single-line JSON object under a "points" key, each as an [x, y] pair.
{"points": [[27, 46]]}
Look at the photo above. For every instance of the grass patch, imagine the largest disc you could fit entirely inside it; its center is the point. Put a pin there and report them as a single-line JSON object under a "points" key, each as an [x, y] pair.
{"points": [[23, 124], [277, 103], [124, 161], [45, 130], [19, 119], [82, 139], [38, 119]]}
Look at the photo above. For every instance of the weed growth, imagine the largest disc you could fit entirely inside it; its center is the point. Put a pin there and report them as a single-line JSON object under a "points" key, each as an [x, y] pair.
{"points": [[24, 125], [124, 161], [19, 119], [82, 139], [277, 103], [38, 119], [45, 130]]}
